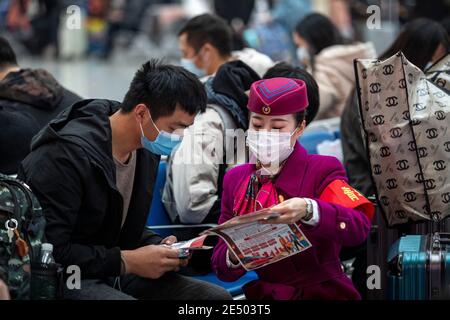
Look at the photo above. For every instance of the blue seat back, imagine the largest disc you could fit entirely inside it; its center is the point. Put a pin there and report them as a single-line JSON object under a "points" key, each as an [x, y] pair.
{"points": [[310, 140], [158, 215], [234, 288]]}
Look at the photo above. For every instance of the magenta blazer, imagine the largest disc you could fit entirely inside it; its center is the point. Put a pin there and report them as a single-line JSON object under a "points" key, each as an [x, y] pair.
{"points": [[315, 274]]}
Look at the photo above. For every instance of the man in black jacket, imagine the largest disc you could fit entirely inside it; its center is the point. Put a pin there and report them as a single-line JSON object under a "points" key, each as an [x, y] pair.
{"points": [[29, 99], [93, 170]]}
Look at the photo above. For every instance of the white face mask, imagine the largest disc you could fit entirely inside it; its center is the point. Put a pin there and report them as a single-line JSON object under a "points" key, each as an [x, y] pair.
{"points": [[303, 55], [270, 148]]}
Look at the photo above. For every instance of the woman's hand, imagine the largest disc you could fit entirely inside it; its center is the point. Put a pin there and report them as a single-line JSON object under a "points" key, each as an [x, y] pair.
{"points": [[291, 211], [232, 257]]}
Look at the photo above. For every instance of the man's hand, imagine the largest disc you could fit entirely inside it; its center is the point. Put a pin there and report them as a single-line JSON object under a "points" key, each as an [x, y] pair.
{"points": [[152, 261], [4, 292], [171, 240], [291, 211]]}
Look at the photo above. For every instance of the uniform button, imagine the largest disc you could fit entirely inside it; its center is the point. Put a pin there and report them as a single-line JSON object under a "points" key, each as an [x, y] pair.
{"points": [[343, 226]]}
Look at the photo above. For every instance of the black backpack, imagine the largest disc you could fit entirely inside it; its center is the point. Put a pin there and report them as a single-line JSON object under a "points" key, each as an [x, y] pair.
{"points": [[22, 227]]}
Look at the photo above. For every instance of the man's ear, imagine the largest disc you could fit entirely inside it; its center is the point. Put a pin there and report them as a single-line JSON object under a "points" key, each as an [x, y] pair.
{"points": [[208, 50], [141, 112]]}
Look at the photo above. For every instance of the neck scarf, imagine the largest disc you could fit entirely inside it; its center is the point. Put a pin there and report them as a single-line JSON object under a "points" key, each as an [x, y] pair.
{"points": [[256, 193]]}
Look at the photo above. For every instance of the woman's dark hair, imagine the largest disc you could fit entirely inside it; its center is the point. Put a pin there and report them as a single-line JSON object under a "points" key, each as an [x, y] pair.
{"points": [[319, 32], [235, 10], [418, 41], [161, 87], [7, 55], [446, 24], [286, 70], [209, 28]]}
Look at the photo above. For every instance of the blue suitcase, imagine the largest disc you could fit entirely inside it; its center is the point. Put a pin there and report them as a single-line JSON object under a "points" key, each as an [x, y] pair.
{"points": [[419, 268]]}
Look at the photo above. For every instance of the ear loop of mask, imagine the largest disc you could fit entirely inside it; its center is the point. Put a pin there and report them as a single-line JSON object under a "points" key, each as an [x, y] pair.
{"points": [[151, 119]]}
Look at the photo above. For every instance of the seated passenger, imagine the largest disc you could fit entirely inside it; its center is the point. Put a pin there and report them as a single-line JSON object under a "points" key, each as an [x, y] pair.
{"points": [[328, 56], [29, 99], [205, 43], [93, 169], [303, 189]]}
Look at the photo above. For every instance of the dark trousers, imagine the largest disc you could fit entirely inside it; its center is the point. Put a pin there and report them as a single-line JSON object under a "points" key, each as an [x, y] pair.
{"points": [[171, 286]]}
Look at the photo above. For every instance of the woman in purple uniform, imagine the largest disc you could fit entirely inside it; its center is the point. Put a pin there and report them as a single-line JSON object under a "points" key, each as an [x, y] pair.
{"points": [[308, 190]]}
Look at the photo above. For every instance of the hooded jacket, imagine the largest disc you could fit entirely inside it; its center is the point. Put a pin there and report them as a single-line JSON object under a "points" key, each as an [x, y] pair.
{"points": [[335, 75], [71, 170], [29, 100]]}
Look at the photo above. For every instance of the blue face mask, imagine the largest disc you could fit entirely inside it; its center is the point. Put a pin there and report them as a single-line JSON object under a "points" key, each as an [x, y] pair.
{"points": [[164, 143], [191, 67]]}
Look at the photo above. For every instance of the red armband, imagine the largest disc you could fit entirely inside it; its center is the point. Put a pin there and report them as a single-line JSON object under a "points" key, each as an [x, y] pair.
{"points": [[339, 192]]}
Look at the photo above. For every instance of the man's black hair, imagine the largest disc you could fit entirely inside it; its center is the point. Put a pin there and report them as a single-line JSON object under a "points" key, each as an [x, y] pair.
{"points": [[209, 28], [286, 70], [161, 87], [7, 56]]}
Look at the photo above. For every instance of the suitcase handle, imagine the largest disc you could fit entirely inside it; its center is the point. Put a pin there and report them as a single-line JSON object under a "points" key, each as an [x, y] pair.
{"points": [[439, 239]]}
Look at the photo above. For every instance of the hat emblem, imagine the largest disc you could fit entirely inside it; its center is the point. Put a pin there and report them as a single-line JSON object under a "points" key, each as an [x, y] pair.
{"points": [[266, 110]]}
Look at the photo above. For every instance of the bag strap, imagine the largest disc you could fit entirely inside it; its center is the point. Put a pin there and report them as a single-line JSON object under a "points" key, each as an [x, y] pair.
{"points": [[26, 191], [16, 209], [228, 124]]}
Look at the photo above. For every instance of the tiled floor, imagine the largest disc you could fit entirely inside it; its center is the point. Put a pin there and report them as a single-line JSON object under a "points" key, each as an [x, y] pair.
{"points": [[91, 78]]}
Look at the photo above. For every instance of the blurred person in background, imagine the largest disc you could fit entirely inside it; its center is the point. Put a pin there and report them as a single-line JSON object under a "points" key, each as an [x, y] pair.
{"points": [[289, 12], [35, 23], [431, 9], [286, 70], [272, 24], [237, 14], [205, 43], [446, 24], [423, 42], [329, 57], [29, 99]]}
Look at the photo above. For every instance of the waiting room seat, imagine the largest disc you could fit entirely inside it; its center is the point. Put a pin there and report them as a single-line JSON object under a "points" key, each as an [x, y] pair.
{"points": [[234, 288], [310, 140], [159, 221]]}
